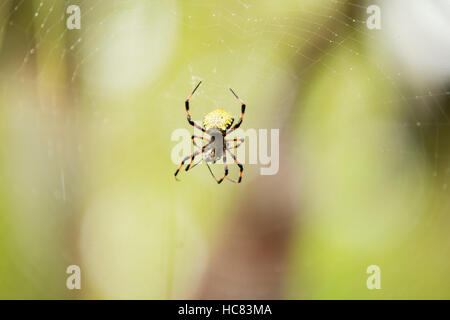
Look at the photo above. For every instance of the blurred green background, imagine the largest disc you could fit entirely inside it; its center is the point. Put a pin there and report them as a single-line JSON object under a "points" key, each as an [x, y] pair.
{"points": [[86, 175]]}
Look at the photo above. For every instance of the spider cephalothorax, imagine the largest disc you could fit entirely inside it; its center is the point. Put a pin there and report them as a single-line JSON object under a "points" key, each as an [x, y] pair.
{"points": [[217, 124]]}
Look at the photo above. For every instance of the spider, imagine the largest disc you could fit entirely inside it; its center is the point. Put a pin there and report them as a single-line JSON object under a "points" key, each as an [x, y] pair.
{"points": [[217, 124]]}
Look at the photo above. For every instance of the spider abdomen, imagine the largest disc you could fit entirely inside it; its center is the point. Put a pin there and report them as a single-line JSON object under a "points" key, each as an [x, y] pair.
{"points": [[219, 119]]}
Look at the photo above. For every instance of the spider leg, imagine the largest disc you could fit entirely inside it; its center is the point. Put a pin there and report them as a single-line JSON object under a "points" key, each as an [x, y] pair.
{"points": [[238, 124], [236, 145], [192, 159], [198, 137], [192, 156], [191, 122], [241, 167], [212, 173], [225, 166], [195, 164], [235, 140], [195, 154]]}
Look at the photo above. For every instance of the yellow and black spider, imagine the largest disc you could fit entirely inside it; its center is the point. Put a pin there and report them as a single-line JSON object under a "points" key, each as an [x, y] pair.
{"points": [[217, 124]]}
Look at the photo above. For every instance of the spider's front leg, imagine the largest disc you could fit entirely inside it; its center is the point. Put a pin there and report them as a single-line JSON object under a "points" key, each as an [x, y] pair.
{"points": [[238, 124], [189, 119]]}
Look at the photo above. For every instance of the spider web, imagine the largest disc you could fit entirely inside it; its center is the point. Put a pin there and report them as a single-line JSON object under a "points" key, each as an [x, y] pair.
{"points": [[270, 55]]}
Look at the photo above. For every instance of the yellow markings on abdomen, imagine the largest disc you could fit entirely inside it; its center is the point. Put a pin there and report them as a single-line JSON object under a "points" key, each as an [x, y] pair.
{"points": [[218, 118]]}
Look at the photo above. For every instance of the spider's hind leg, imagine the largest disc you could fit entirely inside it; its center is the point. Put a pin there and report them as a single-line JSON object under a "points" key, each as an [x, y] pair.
{"points": [[241, 168], [225, 167], [192, 156]]}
